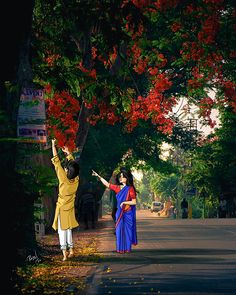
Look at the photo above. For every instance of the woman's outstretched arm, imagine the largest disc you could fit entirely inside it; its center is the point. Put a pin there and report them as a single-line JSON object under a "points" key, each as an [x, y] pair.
{"points": [[54, 149], [106, 183]]}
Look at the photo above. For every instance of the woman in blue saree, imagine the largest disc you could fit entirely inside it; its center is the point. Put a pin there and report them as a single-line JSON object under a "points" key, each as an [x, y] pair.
{"points": [[126, 232]]}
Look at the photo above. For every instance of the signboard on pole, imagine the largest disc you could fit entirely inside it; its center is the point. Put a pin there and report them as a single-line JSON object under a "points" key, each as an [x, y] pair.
{"points": [[31, 120]]}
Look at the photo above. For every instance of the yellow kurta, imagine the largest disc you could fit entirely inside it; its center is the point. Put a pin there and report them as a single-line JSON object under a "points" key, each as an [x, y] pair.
{"points": [[66, 197]]}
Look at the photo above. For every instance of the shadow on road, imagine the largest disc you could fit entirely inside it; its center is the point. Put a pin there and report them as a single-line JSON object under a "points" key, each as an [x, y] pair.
{"points": [[171, 256]]}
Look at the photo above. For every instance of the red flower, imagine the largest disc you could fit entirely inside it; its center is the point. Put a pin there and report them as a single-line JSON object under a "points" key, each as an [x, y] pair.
{"points": [[62, 110]]}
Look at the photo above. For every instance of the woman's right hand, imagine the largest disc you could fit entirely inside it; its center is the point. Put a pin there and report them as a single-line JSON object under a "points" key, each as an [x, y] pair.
{"points": [[65, 149], [94, 173], [106, 183]]}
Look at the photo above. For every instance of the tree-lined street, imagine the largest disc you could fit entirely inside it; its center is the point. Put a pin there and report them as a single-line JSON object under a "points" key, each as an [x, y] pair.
{"points": [[115, 82], [178, 257]]}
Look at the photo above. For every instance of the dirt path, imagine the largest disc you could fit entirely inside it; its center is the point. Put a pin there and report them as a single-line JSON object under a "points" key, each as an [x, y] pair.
{"points": [[51, 275]]}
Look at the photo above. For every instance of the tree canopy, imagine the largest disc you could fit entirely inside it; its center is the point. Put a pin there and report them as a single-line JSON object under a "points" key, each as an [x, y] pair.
{"points": [[130, 61]]}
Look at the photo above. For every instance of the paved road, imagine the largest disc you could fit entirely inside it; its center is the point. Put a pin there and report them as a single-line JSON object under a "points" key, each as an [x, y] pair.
{"points": [[177, 257]]}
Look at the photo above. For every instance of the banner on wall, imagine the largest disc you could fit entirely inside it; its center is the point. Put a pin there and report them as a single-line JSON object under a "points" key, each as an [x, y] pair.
{"points": [[31, 119]]}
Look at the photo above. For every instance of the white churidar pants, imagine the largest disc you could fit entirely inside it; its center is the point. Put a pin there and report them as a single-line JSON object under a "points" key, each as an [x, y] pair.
{"points": [[65, 237]]}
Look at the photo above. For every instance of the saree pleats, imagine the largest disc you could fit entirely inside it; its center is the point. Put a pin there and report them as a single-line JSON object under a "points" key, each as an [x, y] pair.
{"points": [[126, 234]]}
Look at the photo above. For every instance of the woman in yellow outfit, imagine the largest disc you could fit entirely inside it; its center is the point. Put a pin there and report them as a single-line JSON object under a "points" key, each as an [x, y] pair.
{"points": [[64, 219]]}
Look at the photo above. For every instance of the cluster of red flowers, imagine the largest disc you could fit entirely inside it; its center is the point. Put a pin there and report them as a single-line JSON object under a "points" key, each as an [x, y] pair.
{"points": [[51, 59], [210, 27], [163, 4], [205, 108], [230, 92], [106, 112], [153, 107], [208, 63], [91, 73], [62, 115], [175, 27], [196, 49]]}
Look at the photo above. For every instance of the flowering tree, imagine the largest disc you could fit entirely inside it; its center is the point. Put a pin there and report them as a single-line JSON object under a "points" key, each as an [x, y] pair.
{"points": [[129, 61]]}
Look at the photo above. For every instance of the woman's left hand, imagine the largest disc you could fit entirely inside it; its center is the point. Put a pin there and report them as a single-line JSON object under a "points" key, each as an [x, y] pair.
{"points": [[54, 141]]}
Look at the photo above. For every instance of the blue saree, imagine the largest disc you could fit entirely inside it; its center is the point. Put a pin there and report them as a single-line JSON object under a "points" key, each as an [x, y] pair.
{"points": [[126, 233]]}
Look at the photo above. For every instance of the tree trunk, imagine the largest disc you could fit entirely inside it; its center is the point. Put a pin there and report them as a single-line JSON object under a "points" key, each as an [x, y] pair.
{"points": [[15, 201], [83, 127], [25, 79]]}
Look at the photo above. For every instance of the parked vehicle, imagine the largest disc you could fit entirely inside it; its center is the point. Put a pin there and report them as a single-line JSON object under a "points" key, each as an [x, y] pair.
{"points": [[156, 206]]}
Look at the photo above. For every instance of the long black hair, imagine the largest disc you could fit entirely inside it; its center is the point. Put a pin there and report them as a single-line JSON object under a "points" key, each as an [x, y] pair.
{"points": [[128, 175]]}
